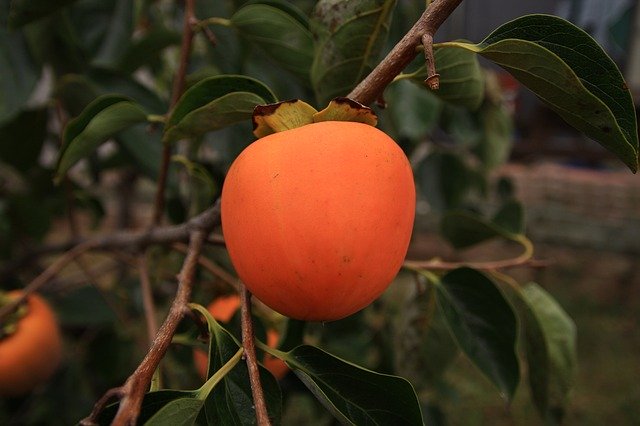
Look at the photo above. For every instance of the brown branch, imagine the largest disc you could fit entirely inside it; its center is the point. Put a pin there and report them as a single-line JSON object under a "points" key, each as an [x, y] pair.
{"points": [[403, 53], [248, 343], [206, 220], [176, 93], [132, 392], [211, 266], [440, 265], [48, 274]]}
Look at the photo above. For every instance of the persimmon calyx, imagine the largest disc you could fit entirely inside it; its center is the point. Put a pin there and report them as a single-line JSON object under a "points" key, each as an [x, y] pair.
{"points": [[10, 323], [287, 115]]}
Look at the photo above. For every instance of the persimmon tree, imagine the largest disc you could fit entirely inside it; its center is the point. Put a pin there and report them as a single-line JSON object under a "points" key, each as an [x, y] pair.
{"points": [[140, 92]]}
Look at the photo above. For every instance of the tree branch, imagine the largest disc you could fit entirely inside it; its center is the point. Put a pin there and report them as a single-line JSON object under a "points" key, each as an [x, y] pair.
{"points": [[176, 92], [205, 221], [403, 53], [132, 392], [248, 343]]}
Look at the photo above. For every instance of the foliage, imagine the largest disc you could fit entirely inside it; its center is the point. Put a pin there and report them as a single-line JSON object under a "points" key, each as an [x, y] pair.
{"points": [[91, 81]]}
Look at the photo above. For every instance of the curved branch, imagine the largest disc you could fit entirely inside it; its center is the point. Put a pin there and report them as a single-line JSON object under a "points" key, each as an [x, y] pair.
{"points": [[403, 53], [206, 220], [132, 392]]}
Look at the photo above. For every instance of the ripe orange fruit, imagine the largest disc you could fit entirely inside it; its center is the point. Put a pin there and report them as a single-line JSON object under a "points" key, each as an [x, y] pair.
{"points": [[317, 219], [32, 353], [223, 309]]}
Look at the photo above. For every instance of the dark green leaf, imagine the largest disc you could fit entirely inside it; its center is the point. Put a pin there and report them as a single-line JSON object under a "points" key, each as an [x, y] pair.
{"points": [[21, 139], [279, 33], [143, 147], [464, 229], [350, 36], [214, 103], [19, 74], [22, 12], [231, 403], [353, 394], [179, 412], [550, 343], [444, 179], [570, 72], [483, 324], [100, 120]]}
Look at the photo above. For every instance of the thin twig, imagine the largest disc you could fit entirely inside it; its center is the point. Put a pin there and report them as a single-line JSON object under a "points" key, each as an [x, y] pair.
{"points": [[206, 220], [248, 343], [176, 93], [147, 298], [433, 78], [211, 266], [137, 384], [49, 273], [403, 53]]}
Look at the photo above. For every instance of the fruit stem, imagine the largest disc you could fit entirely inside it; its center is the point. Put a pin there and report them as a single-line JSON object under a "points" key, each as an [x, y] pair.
{"points": [[248, 343]]}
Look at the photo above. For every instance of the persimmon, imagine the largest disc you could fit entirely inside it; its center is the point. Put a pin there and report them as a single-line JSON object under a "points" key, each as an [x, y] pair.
{"points": [[223, 309], [32, 351], [317, 219]]}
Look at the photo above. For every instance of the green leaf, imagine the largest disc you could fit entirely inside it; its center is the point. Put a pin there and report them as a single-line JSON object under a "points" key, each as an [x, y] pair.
{"points": [[483, 324], [465, 229], [350, 36], [19, 74], [231, 403], [214, 103], [21, 139], [102, 119], [354, 395], [550, 344], [179, 412], [461, 78], [572, 74], [279, 32], [22, 12]]}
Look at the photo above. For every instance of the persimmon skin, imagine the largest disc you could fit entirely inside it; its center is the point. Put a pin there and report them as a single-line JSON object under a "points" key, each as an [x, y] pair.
{"points": [[317, 219], [30, 355], [222, 309]]}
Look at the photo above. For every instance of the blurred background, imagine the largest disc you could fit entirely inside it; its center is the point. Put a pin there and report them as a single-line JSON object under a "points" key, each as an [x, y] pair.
{"points": [[582, 206]]}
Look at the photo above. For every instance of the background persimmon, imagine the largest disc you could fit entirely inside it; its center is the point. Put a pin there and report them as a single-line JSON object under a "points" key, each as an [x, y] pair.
{"points": [[30, 354], [222, 309], [317, 219]]}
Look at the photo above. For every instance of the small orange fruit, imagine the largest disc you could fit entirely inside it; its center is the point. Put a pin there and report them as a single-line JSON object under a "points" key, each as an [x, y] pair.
{"points": [[223, 309], [317, 219], [30, 355]]}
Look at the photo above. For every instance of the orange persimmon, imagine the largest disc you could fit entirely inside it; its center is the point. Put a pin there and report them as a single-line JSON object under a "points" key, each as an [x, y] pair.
{"points": [[31, 353], [317, 219]]}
